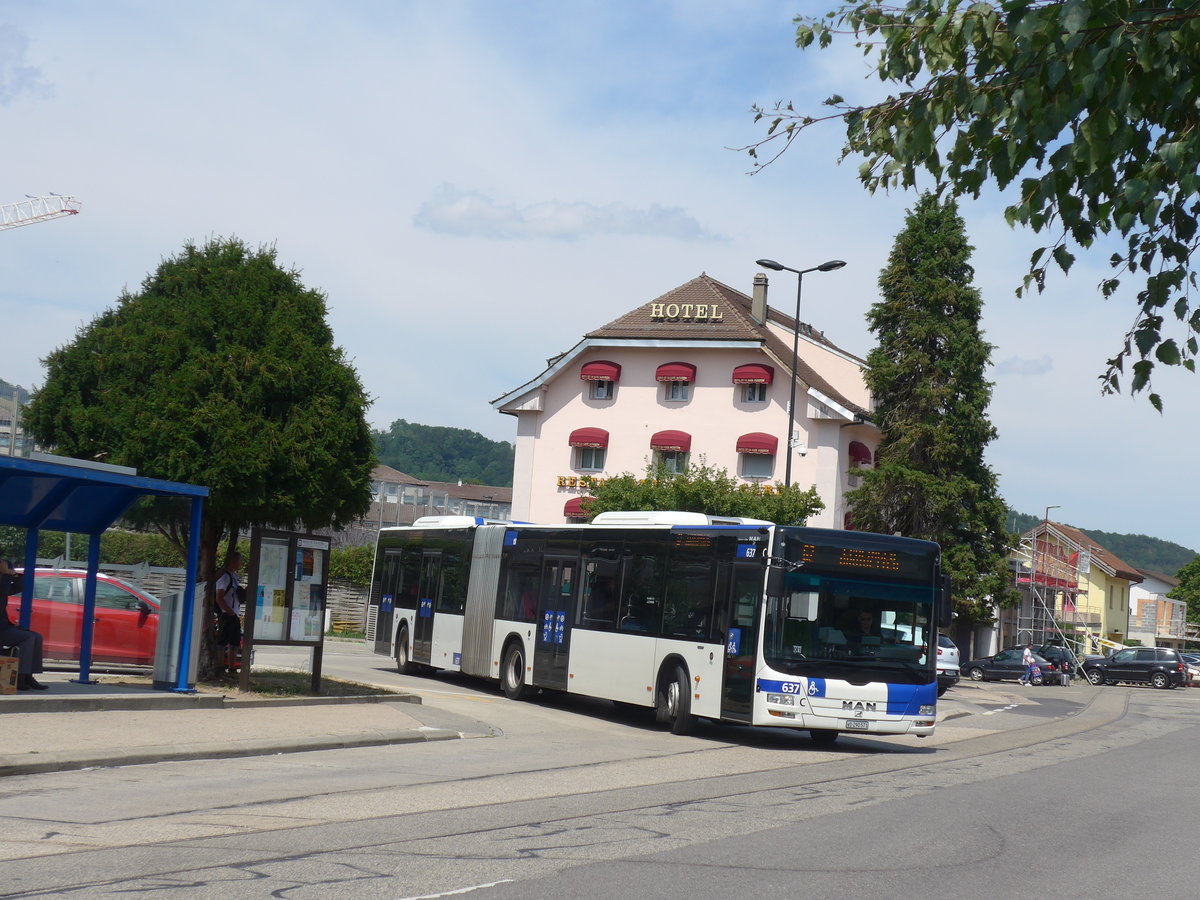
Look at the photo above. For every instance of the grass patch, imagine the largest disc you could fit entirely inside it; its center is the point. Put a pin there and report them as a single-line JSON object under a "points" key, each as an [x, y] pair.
{"points": [[285, 683]]}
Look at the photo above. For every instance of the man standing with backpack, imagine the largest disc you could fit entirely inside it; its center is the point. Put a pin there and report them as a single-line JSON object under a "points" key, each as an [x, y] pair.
{"points": [[229, 612]]}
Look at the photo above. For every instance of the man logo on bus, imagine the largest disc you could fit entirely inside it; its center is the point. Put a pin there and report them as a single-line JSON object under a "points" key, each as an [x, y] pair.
{"points": [[858, 705]]}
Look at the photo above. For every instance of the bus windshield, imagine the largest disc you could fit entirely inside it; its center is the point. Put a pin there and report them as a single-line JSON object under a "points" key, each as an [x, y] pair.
{"points": [[855, 629]]}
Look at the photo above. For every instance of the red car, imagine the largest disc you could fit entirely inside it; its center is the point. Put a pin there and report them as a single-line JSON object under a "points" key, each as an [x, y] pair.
{"points": [[125, 623]]}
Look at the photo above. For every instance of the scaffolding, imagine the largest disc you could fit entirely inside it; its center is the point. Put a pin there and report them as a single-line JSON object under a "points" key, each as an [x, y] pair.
{"points": [[1051, 577]]}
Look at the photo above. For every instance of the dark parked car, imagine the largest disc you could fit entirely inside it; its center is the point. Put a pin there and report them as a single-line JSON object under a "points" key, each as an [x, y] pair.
{"points": [[1007, 666], [1159, 666], [1061, 656]]}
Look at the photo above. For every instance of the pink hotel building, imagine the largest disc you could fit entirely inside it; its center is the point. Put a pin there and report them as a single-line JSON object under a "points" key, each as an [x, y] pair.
{"points": [[703, 371]]}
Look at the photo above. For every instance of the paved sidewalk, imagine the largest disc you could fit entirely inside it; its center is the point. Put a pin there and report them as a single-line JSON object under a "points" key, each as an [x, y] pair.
{"points": [[74, 726]]}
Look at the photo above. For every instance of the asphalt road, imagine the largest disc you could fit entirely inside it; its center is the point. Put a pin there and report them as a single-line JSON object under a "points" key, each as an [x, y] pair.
{"points": [[1077, 792]]}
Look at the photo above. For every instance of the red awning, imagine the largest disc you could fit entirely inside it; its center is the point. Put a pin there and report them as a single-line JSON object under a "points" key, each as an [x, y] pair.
{"points": [[859, 454], [757, 442], [671, 440], [600, 370], [753, 374], [589, 437], [676, 371], [574, 508]]}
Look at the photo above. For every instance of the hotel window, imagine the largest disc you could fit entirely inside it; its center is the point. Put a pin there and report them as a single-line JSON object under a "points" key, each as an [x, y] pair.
{"points": [[756, 465], [589, 458], [754, 393], [757, 454], [676, 376], [674, 461], [602, 390]]}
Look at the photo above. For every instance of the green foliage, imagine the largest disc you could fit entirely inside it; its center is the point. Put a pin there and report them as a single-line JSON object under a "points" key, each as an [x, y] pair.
{"points": [[220, 371], [1087, 107], [436, 453], [126, 548], [352, 564], [1189, 589], [927, 380], [703, 489]]}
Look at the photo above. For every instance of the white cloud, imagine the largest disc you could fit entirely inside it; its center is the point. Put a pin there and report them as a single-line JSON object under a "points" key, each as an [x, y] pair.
{"points": [[17, 77], [1015, 365], [472, 214]]}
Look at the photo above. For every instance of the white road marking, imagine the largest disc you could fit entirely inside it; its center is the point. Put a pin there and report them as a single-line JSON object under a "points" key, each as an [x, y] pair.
{"points": [[465, 890]]}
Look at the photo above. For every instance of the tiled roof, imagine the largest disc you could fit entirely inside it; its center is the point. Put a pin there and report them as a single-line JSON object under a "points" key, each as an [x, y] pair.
{"points": [[388, 475], [730, 321], [1099, 553], [392, 476]]}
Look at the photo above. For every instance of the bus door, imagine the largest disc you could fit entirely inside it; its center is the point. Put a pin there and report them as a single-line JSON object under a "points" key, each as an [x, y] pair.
{"points": [[741, 639], [389, 591], [428, 595], [556, 606]]}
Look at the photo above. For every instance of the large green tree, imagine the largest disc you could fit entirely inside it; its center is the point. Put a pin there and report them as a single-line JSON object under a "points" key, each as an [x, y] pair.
{"points": [[221, 371], [1088, 107], [1188, 589], [703, 489], [927, 379]]}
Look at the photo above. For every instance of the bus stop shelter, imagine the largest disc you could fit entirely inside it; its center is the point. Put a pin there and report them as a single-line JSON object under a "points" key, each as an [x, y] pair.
{"points": [[52, 493]]}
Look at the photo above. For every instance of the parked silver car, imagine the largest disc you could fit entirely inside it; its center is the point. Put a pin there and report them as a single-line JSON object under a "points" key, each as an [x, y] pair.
{"points": [[947, 664]]}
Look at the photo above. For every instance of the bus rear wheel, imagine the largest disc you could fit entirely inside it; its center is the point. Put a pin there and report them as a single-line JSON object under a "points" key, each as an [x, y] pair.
{"points": [[512, 673], [675, 701], [404, 663]]}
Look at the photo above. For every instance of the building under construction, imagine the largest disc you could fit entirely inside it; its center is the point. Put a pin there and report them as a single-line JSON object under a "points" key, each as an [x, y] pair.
{"points": [[1073, 591]]}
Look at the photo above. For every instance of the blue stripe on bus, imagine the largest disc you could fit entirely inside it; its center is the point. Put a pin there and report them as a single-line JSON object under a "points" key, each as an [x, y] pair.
{"points": [[816, 687], [907, 699], [902, 699]]}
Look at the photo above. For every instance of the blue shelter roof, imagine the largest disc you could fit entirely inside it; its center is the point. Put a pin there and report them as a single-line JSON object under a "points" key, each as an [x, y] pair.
{"points": [[74, 496]]}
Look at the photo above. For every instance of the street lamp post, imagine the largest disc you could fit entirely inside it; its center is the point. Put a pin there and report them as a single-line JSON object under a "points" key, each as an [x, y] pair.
{"points": [[800, 273]]}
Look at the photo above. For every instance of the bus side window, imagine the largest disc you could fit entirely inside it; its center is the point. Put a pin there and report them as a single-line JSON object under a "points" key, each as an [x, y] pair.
{"points": [[599, 595], [690, 589], [520, 594], [641, 599]]}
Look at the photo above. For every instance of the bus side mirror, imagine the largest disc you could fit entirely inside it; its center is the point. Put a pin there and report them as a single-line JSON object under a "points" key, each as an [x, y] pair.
{"points": [[945, 604]]}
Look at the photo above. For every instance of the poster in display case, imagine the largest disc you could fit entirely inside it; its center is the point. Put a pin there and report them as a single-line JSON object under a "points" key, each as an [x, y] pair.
{"points": [[287, 580]]}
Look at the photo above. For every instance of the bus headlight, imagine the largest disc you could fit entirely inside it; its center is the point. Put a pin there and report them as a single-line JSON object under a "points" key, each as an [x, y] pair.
{"points": [[930, 710], [782, 699]]}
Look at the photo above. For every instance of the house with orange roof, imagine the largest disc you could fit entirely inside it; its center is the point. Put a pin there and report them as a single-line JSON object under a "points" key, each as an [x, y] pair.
{"points": [[1072, 588]]}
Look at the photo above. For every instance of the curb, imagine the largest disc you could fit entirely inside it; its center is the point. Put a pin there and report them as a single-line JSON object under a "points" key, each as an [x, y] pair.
{"points": [[59, 762], [158, 701]]}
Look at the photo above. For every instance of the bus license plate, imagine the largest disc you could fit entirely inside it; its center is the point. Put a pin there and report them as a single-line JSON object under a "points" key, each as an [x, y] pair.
{"points": [[858, 725]]}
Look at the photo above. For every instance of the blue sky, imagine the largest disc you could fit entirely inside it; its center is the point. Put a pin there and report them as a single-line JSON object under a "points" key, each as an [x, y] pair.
{"points": [[474, 185]]}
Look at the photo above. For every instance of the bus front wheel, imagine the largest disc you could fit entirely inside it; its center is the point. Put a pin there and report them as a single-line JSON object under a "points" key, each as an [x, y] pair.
{"points": [[675, 701], [512, 673]]}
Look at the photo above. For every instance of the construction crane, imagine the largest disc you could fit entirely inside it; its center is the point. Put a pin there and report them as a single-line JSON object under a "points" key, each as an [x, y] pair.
{"points": [[37, 209]]}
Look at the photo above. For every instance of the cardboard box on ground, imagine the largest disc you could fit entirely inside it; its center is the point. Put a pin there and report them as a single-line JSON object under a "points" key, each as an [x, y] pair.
{"points": [[8, 674]]}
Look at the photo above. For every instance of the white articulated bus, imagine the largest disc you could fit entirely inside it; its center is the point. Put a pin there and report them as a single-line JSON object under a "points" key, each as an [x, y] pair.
{"points": [[728, 619]]}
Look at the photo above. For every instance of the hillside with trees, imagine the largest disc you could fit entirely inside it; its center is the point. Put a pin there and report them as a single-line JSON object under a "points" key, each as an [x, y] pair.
{"points": [[1139, 550], [438, 453]]}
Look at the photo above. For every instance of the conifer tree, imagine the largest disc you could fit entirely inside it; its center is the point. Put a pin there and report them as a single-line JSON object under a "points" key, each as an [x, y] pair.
{"points": [[927, 378]]}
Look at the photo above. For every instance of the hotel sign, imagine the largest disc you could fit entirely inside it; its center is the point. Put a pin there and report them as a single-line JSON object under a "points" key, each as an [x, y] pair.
{"points": [[686, 312]]}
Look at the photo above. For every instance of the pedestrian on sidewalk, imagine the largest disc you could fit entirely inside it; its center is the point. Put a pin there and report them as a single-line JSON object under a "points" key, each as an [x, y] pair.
{"points": [[1028, 663], [229, 612], [28, 643]]}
